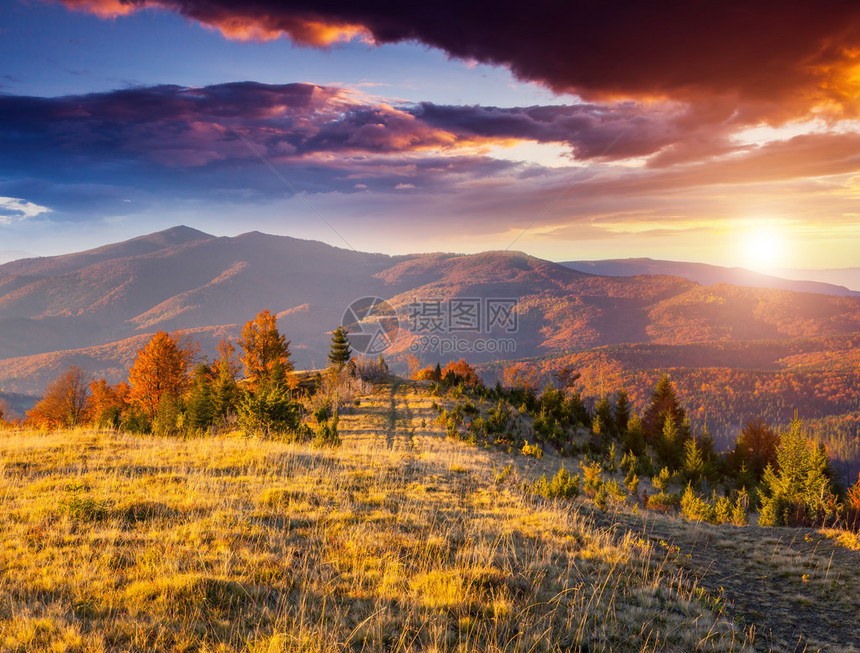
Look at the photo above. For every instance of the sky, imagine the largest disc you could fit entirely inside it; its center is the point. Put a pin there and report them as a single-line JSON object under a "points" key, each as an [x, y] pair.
{"points": [[726, 133]]}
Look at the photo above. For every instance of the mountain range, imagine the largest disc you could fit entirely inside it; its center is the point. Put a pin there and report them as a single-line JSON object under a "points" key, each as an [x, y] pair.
{"points": [[96, 308], [709, 275]]}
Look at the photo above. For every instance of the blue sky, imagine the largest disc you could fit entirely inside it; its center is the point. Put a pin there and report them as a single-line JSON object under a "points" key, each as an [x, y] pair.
{"points": [[611, 142]]}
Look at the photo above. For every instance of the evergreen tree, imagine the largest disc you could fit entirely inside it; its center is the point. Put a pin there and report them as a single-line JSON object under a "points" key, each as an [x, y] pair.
{"points": [[622, 412], [798, 492], [225, 391], [670, 446], [634, 439], [756, 448], [664, 402], [200, 406], [340, 353], [694, 463], [604, 411]]}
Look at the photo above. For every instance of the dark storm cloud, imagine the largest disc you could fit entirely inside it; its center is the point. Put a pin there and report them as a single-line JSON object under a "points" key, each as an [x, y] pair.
{"points": [[772, 59]]}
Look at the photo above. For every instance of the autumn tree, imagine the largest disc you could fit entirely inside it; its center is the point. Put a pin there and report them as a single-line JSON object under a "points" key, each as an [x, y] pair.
{"points": [[340, 353], [108, 403], [457, 371], [160, 371], [65, 401], [852, 506], [266, 353]]}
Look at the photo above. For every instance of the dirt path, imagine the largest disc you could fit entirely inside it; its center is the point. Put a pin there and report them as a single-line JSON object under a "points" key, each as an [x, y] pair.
{"points": [[799, 590]]}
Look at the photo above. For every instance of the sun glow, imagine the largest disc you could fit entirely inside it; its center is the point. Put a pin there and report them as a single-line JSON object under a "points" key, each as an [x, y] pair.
{"points": [[764, 246]]}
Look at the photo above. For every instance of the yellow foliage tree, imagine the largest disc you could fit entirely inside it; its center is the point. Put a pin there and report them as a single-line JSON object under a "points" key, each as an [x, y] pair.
{"points": [[160, 369], [266, 353]]}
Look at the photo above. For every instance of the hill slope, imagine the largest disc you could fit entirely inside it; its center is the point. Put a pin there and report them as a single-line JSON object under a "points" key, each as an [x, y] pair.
{"points": [[399, 540], [76, 308]]}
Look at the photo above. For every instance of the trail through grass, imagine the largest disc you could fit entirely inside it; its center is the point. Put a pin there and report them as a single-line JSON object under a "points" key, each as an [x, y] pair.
{"points": [[399, 540]]}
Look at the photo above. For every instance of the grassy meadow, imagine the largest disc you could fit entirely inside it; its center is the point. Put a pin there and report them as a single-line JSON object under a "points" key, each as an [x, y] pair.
{"points": [[397, 540]]}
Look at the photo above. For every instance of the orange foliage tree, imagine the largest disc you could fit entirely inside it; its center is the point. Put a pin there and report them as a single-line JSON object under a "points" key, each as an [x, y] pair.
{"points": [[266, 353], [65, 401], [520, 376], [463, 371], [107, 402], [160, 369]]}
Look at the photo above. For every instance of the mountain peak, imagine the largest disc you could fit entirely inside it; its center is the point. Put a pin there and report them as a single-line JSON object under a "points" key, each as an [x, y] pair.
{"points": [[54, 265]]}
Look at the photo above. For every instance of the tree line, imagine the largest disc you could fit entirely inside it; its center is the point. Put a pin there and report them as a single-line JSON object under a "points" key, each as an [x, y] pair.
{"points": [[169, 390]]}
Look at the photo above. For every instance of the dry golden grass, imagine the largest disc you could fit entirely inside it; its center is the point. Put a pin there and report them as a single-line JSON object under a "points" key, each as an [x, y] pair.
{"points": [[399, 540]]}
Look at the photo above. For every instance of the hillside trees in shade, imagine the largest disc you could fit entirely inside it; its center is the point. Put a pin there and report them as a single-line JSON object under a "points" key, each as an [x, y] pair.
{"points": [[340, 352], [160, 372], [65, 401], [265, 352]]}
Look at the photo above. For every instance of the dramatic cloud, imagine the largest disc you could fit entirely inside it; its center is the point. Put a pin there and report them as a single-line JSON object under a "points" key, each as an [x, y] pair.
{"points": [[173, 126], [762, 60]]}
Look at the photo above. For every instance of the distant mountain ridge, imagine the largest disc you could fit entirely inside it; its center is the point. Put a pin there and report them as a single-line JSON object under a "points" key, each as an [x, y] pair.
{"points": [[94, 308], [709, 275]]}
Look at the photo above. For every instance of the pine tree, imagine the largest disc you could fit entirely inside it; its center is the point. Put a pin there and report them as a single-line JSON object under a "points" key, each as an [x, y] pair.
{"points": [[798, 492], [225, 391], [694, 463], [664, 402], [756, 447], [200, 404], [340, 353], [670, 446], [622, 412], [604, 411], [634, 439]]}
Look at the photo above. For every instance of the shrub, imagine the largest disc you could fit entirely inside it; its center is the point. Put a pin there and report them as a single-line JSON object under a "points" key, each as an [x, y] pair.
{"points": [[269, 412], [562, 485], [662, 502], [601, 497], [696, 508], [532, 450], [326, 433], [592, 478]]}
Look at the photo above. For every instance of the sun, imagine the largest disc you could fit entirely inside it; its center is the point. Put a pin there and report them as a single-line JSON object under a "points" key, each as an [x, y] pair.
{"points": [[764, 247]]}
